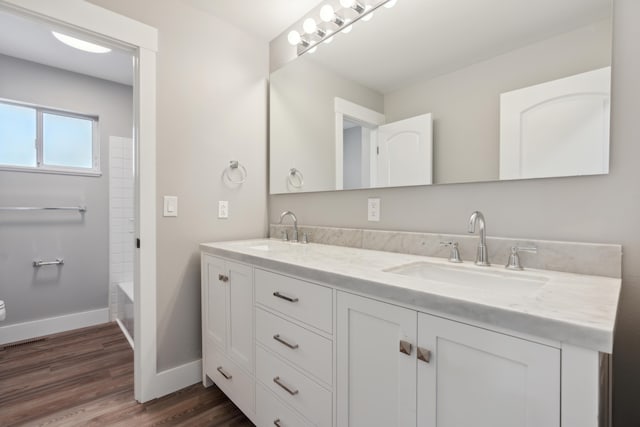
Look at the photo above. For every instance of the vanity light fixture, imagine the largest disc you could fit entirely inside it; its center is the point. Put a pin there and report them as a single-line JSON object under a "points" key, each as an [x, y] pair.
{"points": [[295, 38], [329, 16], [353, 4], [80, 44], [310, 27]]}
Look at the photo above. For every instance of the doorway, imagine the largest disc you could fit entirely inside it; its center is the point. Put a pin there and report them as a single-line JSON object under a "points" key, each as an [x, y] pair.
{"points": [[104, 27]]}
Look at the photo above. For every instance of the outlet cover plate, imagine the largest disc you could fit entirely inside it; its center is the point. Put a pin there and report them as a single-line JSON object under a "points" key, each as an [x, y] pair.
{"points": [[373, 209], [223, 209]]}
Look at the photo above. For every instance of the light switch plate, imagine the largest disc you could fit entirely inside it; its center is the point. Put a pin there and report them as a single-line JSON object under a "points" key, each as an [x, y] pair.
{"points": [[223, 209], [373, 209], [170, 206]]}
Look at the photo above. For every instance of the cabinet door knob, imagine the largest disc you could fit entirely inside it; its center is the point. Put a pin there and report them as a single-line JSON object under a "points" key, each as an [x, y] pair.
{"points": [[424, 355], [288, 389], [223, 278], [405, 347], [284, 342], [284, 297], [224, 374]]}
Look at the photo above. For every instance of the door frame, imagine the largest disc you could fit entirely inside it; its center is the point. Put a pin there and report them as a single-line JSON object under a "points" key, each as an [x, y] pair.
{"points": [[362, 115], [143, 41]]}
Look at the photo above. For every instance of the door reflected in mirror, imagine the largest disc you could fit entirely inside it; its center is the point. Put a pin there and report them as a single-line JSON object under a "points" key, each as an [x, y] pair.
{"points": [[447, 92]]}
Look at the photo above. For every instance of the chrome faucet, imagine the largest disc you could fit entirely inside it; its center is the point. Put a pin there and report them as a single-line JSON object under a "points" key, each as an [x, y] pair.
{"points": [[482, 257], [294, 238]]}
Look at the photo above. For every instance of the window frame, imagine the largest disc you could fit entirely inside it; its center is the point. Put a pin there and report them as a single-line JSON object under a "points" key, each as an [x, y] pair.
{"points": [[41, 167]]}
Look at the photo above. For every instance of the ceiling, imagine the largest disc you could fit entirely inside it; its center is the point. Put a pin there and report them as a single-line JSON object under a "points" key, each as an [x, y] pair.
{"points": [[31, 40], [265, 19]]}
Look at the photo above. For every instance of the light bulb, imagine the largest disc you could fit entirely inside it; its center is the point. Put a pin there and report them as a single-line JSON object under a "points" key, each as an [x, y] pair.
{"points": [[327, 13], [309, 26], [294, 38], [347, 27], [347, 3], [369, 16], [390, 4], [330, 38]]}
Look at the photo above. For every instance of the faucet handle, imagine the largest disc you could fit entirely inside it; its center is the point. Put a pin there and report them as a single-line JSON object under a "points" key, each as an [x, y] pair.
{"points": [[305, 238], [454, 255], [285, 236], [514, 258]]}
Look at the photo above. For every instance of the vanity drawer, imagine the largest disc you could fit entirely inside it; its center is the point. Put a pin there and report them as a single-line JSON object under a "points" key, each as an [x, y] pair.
{"points": [[270, 411], [310, 351], [294, 388], [304, 301], [239, 386]]}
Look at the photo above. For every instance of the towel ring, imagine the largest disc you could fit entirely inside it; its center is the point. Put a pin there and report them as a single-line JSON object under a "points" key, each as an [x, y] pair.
{"points": [[293, 173], [235, 165]]}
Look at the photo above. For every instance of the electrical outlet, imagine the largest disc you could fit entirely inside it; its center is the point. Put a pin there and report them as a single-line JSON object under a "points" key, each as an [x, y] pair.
{"points": [[373, 209], [223, 209]]}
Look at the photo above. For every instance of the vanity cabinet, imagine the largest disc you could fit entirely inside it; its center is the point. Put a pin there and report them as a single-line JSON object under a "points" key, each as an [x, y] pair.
{"points": [[227, 328], [323, 352], [400, 367]]}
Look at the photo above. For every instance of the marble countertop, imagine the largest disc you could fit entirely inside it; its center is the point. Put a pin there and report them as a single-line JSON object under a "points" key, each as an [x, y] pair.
{"points": [[569, 308]]}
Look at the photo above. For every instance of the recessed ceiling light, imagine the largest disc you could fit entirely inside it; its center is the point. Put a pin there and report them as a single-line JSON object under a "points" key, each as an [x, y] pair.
{"points": [[80, 44]]}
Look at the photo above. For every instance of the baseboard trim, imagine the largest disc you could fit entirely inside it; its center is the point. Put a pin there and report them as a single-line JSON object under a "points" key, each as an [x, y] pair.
{"points": [[52, 325], [178, 378]]}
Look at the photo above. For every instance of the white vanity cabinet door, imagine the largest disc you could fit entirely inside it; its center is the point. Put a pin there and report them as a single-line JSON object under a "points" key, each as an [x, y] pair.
{"points": [[227, 295], [214, 301], [376, 383], [480, 378]]}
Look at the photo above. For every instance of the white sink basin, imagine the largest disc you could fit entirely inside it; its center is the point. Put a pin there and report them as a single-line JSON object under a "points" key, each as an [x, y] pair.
{"points": [[471, 275]]}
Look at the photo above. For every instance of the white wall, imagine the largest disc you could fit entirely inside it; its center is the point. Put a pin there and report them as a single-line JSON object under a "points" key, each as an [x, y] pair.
{"points": [[82, 284], [302, 122], [588, 209], [212, 108]]}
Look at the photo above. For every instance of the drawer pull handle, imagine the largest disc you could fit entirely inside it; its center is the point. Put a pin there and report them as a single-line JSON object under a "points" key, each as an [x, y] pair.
{"points": [[284, 297], [277, 423], [281, 341], [224, 374], [223, 278], [285, 387], [405, 347], [424, 355]]}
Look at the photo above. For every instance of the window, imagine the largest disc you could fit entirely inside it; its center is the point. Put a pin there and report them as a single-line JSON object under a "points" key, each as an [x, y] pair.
{"points": [[42, 139]]}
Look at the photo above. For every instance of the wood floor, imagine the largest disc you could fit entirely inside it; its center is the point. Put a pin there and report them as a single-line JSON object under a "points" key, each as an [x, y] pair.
{"points": [[85, 378]]}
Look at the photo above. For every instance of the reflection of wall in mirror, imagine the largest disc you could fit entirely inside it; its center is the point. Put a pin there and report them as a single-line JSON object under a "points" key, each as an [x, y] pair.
{"points": [[465, 103], [302, 134]]}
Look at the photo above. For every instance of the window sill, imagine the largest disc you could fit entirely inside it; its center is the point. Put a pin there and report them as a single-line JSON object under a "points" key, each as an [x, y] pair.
{"points": [[56, 171]]}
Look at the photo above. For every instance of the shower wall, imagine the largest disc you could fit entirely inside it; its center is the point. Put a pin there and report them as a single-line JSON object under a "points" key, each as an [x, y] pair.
{"points": [[121, 218], [58, 297]]}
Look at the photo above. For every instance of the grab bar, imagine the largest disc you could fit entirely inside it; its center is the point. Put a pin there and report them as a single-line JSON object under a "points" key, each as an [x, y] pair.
{"points": [[40, 263], [81, 209]]}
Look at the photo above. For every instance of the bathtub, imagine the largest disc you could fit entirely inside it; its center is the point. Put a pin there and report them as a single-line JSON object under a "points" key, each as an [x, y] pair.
{"points": [[124, 313]]}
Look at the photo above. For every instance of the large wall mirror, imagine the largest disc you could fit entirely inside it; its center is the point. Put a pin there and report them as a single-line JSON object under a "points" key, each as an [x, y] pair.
{"points": [[447, 91]]}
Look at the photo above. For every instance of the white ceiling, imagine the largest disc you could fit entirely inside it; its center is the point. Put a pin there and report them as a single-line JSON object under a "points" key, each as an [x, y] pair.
{"points": [[31, 39], [265, 19]]}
